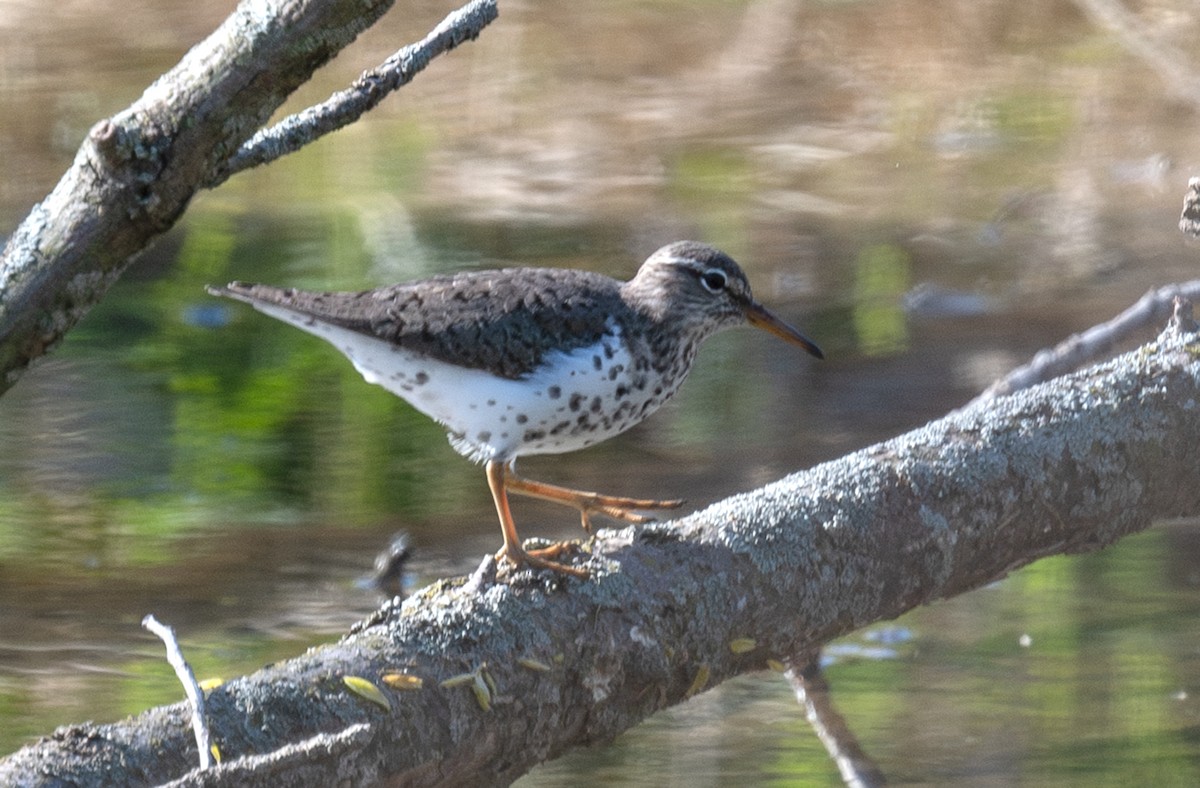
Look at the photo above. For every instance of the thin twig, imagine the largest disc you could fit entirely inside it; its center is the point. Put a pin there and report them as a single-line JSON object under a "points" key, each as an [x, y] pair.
{"points": [[858, 769], [1181, 317], [250, 769], [186, 677], [1150, 312], [347, 106]]}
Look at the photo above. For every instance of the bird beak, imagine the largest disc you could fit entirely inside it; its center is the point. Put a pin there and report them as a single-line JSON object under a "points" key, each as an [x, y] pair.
{"points": [[760, 317]]}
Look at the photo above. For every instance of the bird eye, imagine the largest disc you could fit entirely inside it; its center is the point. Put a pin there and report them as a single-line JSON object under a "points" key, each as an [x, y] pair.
{"points": [[714, 280]]}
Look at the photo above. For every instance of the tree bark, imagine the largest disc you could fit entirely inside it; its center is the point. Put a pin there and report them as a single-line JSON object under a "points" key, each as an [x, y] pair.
{"points": [[517, 669]]}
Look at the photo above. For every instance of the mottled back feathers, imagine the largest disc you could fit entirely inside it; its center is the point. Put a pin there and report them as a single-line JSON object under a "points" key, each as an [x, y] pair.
{"points": [[502, 321]]}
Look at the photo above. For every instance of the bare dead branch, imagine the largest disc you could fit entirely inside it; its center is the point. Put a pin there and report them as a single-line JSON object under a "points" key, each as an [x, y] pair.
{"points": [[191, 687], [857, 768], [1152, 309], [136, 172], [1068, 466], [372, 87]]}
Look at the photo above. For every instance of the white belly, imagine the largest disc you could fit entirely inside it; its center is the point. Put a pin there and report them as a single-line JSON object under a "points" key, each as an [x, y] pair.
{"points": [[573, 400]]}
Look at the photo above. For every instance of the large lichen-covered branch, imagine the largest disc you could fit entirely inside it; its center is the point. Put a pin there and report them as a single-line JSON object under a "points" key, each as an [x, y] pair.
{"points": [[481, 678]]}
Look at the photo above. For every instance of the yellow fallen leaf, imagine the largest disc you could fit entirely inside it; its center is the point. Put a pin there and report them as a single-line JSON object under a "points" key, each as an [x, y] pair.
{"points": [[365, 689], [491, 683], [402, 681], [483, 695], [698, 683]]}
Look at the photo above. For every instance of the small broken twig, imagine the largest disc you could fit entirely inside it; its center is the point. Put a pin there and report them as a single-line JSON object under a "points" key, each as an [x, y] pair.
{"points": [[1151, 311], [186, 677], [1181, 317], [1189, 220], [858, 770], [346, 106]]}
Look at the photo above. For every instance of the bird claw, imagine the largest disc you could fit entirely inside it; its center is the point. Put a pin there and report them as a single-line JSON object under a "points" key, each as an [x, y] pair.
{"points": [[503, 480], [624, 509], [543, 558]]}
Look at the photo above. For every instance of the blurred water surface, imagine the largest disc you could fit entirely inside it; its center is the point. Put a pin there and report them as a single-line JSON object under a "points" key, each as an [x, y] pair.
{"points": [[932, 190]]}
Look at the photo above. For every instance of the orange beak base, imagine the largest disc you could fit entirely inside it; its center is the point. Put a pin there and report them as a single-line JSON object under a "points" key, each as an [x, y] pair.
{"points": [[760, 317]]}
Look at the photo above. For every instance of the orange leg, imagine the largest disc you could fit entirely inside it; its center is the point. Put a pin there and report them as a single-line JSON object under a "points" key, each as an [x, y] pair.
{"points": [[497, 474], [588, 503]]}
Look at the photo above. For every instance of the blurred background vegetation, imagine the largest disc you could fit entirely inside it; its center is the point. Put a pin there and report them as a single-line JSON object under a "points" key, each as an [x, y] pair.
{"points": [[931, 190]]}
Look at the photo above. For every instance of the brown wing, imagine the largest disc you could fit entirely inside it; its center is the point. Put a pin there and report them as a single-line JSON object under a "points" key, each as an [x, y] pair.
{"points": [[504, 321]]}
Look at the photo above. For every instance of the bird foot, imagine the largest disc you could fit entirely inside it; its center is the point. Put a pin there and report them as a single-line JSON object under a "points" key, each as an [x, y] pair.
{"points": [[543, 558], [588, 503], [624, 509]]}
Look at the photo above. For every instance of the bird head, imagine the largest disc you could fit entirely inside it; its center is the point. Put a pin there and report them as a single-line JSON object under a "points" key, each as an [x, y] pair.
{"points": [[702, 288]]}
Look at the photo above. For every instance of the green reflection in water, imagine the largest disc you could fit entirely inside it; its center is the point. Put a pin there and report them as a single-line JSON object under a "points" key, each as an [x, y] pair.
{"points": [[726, 394], [270, 412], [881, 278], [1030, 117], [34, 703], [714, 187], [206, 412], [148, 680], [249, 417]]}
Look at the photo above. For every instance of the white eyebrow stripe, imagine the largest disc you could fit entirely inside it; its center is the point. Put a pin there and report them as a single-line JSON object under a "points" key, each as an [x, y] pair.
{"points": [[690, 263]]}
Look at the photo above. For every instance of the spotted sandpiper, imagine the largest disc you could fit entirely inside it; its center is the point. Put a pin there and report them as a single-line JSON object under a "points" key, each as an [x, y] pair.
{"points": [[534, 360]]}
